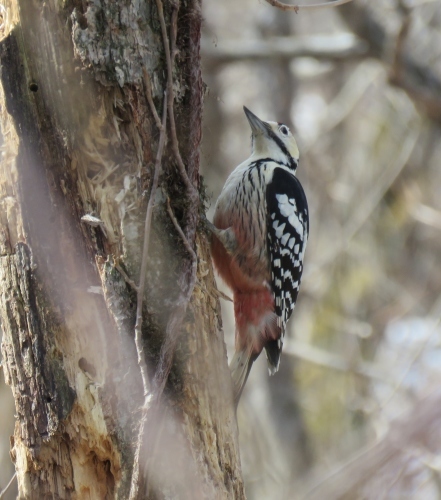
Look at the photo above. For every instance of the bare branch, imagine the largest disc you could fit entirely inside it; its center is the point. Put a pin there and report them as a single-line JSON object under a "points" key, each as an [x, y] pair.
{"points": [[415, 75], [341, 46], [148, 91], [223, 295], [136, 474], [147, 438], [6, 488], [430, 103], [179, 230], [396, 71], [187, 279], [172, 333], [126, 276], [169, 56], [426, 215], [144, 259], [296, 8]]}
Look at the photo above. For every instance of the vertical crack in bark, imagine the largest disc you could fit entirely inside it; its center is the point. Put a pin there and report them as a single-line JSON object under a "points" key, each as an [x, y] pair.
{"points": [[43, 394]]}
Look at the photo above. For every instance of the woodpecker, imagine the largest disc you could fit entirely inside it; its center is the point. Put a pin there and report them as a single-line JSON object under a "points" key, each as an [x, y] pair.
{"points": [[259, 235]]}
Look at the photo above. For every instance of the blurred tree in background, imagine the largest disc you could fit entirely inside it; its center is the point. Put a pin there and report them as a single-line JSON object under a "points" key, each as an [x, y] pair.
{"points": [[361, 87]]}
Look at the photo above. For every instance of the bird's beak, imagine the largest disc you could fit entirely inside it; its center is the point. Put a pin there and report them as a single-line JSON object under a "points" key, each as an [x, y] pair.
{"points": [[257, 125]]}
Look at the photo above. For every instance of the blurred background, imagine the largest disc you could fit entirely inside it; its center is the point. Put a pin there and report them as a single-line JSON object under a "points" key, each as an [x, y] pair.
{"points": [[354, 411]]}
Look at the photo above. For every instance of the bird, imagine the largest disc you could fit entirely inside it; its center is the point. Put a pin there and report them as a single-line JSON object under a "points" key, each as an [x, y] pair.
{"points": [[259, 234]]}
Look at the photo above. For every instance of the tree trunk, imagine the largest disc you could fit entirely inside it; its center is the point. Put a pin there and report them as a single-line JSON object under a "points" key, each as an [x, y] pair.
{"points": [[80, 139]]}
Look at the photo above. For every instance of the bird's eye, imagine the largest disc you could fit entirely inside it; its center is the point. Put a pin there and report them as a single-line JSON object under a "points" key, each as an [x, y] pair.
{"points": [[284, 130]]}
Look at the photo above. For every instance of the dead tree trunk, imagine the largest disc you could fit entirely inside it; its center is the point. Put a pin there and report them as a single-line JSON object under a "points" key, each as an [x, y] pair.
{"points": [[80, 83]]}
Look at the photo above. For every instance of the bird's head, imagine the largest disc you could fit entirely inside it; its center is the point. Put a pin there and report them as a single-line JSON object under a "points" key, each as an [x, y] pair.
{"points": [[273, 140]]}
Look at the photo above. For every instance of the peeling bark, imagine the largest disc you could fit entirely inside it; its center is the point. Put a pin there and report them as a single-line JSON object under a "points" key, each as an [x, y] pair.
{"points": [[80, 139]]}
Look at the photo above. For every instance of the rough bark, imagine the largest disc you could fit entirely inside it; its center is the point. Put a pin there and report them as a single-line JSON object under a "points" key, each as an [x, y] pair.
{"points": [[80, 139]]}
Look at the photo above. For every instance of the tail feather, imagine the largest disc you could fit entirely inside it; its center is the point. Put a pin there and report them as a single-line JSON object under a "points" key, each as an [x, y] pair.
{"points": [[273, 350], [240, 367]]}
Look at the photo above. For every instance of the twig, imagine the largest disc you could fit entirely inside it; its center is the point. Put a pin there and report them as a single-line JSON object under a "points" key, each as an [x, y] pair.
{"points": [[126, 276], [147, 438], [296, 8], [170, 53], [418, 78], [426, 215], [397, 74], [136, 476], [148, 91], [170, 60], [186, 280], [174, 138], [397, 69], [179, 230], [169, 345], [172, 333], [144, 258], [222, 295], [325, 47], [6, 488], [168, 348]]}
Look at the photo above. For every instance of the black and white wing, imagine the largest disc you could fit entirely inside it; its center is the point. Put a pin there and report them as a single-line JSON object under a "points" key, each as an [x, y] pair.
{"points": [[287, 229]]}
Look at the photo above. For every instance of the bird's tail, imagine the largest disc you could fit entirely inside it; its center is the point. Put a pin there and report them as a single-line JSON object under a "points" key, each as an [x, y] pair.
{"points": [[240, 367]]}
